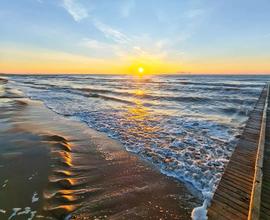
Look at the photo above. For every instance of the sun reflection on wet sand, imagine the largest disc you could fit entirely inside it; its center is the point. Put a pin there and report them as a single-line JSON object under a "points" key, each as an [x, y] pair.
{"points": [[63, 172]]}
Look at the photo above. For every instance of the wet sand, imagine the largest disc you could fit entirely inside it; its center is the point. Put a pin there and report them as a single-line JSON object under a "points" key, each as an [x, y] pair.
{"points": [[52, 167]]}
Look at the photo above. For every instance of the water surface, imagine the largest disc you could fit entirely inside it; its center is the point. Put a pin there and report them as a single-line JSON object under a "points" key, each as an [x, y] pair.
{"points": [[186, 125]]}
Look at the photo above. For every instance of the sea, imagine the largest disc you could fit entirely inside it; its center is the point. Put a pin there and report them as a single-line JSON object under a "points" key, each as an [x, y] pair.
{"points": [[187, 126]]}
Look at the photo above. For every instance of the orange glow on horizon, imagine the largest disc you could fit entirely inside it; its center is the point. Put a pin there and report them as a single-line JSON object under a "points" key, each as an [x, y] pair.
{"points": [[41, 61]]}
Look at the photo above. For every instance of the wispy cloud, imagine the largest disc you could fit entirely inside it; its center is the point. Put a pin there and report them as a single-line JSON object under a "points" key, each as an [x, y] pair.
{"points": [[98, 45], [121, 44], [100, 49], [130, 47], [94, 44], [75, 9], [111, 33]]}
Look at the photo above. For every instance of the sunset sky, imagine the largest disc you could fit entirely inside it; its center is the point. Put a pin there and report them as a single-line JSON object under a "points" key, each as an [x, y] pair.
{"points": [[120, 36]]}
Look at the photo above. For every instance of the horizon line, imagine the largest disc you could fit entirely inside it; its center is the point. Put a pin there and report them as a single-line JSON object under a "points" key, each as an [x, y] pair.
{"points": [[148, 74]]}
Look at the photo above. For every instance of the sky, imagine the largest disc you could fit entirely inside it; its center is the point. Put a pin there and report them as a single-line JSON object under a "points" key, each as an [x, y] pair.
{"points": [[121, 36]]}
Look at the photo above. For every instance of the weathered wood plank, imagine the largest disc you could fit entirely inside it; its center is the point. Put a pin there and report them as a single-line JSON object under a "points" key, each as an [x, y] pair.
{"points": [[233, 195], [225, 208], [265, 198]]}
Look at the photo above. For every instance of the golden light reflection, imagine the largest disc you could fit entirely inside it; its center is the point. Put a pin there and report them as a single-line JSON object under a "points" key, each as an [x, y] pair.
{"points": [[139, 92], [68, 161], [65, 157], [70, 182], [66, 191], [65, 208], [70, 198], [63, 172], [139, 117]]}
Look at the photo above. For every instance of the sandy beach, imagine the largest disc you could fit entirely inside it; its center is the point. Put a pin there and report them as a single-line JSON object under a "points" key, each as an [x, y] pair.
{"points": [[52, 167]]}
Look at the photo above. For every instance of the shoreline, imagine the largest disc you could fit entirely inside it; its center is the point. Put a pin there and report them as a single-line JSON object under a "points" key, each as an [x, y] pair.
{"points": [[86, 175]]}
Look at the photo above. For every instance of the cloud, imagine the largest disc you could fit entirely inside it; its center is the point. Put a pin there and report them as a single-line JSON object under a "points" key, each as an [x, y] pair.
{"points": [[132, 47], [120, 44], [123, 45], [76, 10], [94, 44], [112, 33], [127, 51], [98, 45]]}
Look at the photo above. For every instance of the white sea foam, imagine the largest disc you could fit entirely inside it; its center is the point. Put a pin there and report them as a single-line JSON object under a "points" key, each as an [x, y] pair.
{"points": [[20, 211], [200, 213], [14, 213], [33, 213], [26, 211], [5, 183], [3, 211], [35, 197]]}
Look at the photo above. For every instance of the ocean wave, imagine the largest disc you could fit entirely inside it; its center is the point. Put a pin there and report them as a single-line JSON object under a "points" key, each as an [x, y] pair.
{"points": [[170, 122]]}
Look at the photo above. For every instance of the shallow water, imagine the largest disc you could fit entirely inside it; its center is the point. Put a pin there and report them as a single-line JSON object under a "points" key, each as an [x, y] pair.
{"points": [[186, 125], [52, 167]]}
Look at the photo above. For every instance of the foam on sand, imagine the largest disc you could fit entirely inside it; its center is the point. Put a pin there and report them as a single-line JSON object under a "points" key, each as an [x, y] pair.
{"points": [[200, 213], [35, 197]]}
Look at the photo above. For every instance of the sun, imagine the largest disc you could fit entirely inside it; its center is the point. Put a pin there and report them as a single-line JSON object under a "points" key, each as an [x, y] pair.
{"points": [[140, 70]]}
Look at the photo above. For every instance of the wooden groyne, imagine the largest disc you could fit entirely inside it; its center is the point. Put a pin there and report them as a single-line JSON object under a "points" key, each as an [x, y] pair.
{"points": [[244, 190], [265, 190]]}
